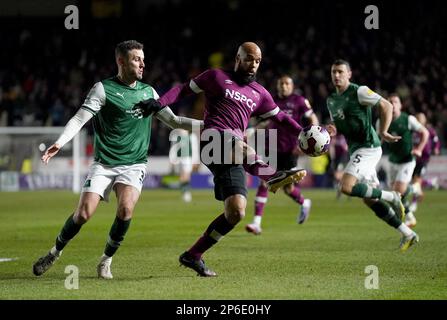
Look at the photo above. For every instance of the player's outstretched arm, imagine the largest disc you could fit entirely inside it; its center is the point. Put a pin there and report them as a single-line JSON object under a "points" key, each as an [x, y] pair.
{"points": [[71, 129], [175, 94], [50, 153], [287, 121], [153, 105], [386, 116], [173, 121], [425, 134]]}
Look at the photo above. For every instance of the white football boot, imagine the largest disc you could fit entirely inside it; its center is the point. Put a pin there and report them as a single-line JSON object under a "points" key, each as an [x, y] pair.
{"points": [[103, 268]]}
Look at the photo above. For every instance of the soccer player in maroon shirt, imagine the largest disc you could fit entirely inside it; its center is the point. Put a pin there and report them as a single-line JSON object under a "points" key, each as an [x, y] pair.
{"points": [[432, 147], [299, 108], [232, 97]]}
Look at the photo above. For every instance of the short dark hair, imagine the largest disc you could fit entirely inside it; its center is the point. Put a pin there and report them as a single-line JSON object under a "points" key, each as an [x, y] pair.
{"points": [[394, 94], [339, 62], [285, 75], [124, 47]]}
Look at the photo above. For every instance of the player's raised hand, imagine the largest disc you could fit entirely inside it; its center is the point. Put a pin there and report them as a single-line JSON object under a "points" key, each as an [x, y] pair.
{"points": [[148, 107], [50, 153], [387, 137]]}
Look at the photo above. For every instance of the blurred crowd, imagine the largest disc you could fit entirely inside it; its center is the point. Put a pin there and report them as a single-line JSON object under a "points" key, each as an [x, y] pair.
{"points": [[46, 71]]}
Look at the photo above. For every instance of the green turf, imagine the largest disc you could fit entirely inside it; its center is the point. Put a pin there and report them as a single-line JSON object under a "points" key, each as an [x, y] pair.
{"points": [[323, 259]]}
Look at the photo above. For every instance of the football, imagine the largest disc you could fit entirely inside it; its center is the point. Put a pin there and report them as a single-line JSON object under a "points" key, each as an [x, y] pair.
{"points": [[314, 140]]}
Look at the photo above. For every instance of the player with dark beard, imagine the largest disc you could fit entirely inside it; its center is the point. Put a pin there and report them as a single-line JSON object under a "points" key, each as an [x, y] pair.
{"points": [[232, 97]]}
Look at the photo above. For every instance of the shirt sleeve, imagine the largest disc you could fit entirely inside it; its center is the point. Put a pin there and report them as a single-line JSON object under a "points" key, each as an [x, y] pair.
{"points": [[267, 108], [95, 99], [203, 82], [155, 94], [74, 126], [308, 111], [414, 124], [378, 125], [367, 97]]}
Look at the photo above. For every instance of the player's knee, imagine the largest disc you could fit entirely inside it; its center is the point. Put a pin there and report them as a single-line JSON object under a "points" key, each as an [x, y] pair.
{"points": [[346, 188], [236, 212], [400, 187], [235, 208], [125, 211], [83, 214]]}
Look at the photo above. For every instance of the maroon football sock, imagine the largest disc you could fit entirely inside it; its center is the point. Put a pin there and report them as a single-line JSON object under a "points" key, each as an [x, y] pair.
{"points": [[259, 169], [296, 194], [216, 230], [260, 200]]}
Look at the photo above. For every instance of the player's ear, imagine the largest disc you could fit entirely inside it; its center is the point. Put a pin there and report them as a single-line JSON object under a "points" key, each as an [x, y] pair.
{"points": [[237, 61], [237, 58], [349, 74], [119, 60]]}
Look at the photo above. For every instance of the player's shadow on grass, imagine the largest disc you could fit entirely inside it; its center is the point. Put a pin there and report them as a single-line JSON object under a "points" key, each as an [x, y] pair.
{"points": [[135, 278], [62, 277]]}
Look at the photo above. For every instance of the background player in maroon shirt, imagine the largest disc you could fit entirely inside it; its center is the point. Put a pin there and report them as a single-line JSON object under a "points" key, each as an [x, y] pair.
{"points": [[433, 146], [232, 97], [339, 154], [299, 108]]}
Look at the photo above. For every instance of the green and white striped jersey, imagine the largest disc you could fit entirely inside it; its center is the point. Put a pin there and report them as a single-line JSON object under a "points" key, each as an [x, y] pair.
{"points": [[351, 113], [121, 138]]}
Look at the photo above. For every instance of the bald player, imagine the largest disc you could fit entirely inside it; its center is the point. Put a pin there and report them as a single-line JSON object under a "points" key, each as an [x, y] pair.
{"points": [[299, 108], [232, 97]]}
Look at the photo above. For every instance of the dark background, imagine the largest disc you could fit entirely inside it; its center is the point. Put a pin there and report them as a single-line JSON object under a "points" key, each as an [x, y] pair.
{"points": [[46, 70]]}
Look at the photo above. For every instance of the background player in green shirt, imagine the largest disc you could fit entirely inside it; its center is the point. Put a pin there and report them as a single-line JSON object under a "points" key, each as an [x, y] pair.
{"points": [[184, 157], [350, 110], [402, 153], [122, 138]]}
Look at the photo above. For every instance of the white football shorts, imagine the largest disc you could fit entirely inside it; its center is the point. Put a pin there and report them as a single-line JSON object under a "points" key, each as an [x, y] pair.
{"points": [[183, 164], [101, 179], [401, 172], [362, 165]]}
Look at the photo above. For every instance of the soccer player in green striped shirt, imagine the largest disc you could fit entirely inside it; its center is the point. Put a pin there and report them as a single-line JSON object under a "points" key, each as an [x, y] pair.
{"points": [[350, 109], [402, 153], [122, 137]]}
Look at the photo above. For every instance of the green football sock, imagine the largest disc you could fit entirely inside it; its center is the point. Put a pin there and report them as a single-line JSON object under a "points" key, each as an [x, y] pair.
{"points": [[69, 230], [386, 213], [362, 190], [407, 196], [184, 186], [116, 235]]}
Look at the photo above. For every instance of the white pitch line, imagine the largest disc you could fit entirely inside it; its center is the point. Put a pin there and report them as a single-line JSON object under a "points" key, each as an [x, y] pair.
{"points": [[8, 259]]}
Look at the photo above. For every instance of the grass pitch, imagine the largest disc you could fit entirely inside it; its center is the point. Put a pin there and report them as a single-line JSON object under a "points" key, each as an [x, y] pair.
{"points": [[325, 258]]}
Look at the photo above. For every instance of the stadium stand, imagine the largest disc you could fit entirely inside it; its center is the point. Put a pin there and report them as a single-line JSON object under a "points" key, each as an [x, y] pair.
{"points": [[46, 70]]}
